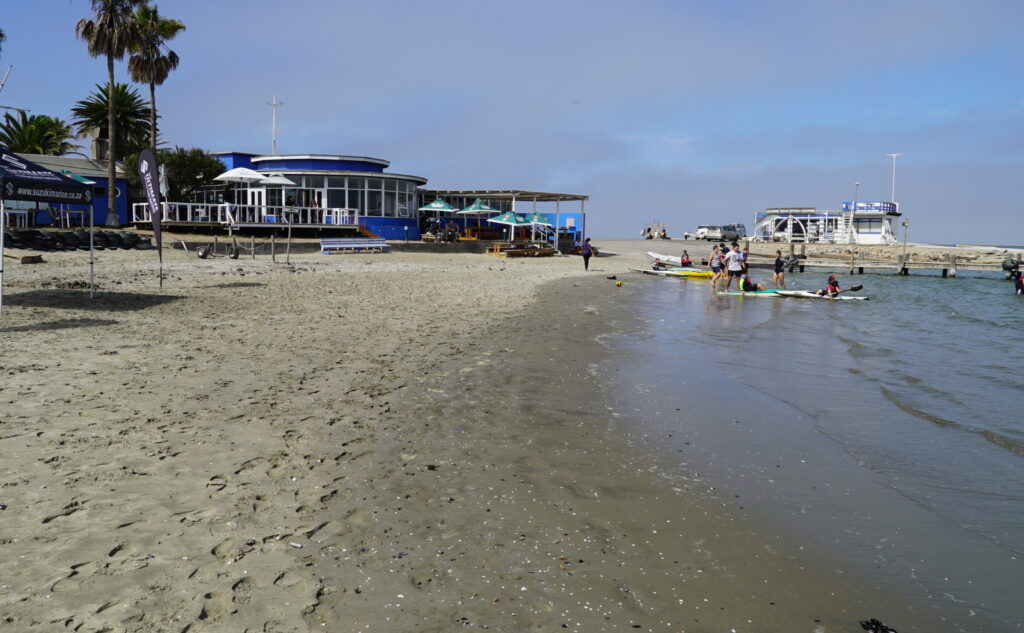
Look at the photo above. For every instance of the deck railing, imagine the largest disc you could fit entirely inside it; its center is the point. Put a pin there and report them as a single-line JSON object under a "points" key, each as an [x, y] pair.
{"points": [[228, 214]]}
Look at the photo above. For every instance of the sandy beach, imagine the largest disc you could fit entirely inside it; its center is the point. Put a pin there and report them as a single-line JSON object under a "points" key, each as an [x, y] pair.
{"points": [[399, 442]]}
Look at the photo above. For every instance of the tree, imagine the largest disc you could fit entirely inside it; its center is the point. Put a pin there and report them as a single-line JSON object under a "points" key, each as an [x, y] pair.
{"points": [[37, 134], [187, 170], [131, 118], [110, 34], [148, 63]]}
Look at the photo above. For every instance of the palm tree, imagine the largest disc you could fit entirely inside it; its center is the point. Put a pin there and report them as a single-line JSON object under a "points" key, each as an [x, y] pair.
{"points": [[131, 118], [37, 134], [148, 63], [110, 34]]}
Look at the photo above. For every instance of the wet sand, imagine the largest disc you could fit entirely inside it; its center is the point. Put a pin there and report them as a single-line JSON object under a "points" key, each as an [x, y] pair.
{"points": [[365, 443]]}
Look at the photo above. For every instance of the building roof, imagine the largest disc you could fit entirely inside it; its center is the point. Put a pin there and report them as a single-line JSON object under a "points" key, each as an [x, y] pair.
{"points": [[507, 194], [81, 166], [340, 172], [337, 157]]}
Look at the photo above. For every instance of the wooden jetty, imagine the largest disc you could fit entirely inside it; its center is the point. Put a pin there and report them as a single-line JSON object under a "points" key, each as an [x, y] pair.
{"points": [[948, 266]]}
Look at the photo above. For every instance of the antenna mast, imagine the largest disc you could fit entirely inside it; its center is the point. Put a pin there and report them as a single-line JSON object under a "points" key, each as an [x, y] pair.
{"points": [[275, 104], [3, 82]]}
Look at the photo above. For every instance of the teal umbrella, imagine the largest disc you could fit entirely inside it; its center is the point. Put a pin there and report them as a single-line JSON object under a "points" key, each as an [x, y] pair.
{"points": [[509, 218], [437, 205], [540, 218], [479, 206]]}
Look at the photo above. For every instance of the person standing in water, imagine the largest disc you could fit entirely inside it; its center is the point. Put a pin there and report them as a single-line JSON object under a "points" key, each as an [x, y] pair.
{"points": [[779, 276], [586, 250], [734, 267], [715, 261]]}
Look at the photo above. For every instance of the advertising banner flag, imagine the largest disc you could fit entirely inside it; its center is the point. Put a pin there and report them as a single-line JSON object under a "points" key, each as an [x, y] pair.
{"points": [[150, 175]]}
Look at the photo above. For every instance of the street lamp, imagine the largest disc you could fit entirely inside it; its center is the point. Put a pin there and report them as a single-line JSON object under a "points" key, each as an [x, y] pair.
{"points": [[893, 157], [853, 210], [906, 232]]}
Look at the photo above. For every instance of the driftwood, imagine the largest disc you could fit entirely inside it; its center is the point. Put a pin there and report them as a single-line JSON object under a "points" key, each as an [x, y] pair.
{"points": [[28, 259]]}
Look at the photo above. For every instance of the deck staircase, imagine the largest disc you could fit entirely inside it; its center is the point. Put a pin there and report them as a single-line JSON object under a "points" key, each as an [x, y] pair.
{"points": [[366, 232]]}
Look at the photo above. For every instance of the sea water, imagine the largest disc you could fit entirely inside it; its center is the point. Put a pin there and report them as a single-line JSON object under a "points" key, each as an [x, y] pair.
{"points": [[885, 435]]}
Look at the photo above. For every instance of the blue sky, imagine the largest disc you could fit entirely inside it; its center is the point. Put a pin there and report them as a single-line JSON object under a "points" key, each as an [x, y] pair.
{"points": [[683, 112]]}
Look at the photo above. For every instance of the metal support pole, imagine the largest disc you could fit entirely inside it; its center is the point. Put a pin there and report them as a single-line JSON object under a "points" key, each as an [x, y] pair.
{"points": [[3, 227], [288, 246]]}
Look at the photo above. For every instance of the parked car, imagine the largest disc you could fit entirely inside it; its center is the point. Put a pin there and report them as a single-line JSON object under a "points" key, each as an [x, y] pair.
{"points": [[732, 232], [711, 232]]}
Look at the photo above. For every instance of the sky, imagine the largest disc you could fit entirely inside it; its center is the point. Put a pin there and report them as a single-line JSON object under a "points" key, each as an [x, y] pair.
{"points": [[674, 111]]}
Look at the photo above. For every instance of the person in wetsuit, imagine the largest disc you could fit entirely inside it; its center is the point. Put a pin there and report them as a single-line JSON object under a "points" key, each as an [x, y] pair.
{"points": [[746, 285], [779, 276]]}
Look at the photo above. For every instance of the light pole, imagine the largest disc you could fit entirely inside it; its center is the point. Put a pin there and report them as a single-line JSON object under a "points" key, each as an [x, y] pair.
{"points": [[906, 232], [853, 210], [893, 157]]}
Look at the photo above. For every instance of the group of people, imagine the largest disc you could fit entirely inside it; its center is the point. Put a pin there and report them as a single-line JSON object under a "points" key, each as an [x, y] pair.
{"points": [[731, 263], [647, 233]]}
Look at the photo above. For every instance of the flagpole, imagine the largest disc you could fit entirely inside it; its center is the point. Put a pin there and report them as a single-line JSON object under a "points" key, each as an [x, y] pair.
{"points": [[92, 212], [3, 227]]}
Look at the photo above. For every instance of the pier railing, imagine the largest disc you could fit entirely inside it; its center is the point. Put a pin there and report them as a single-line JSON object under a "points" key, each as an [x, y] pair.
{"points": [[234, 214]]}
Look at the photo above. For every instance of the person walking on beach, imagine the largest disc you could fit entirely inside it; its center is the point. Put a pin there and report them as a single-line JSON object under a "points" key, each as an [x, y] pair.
{"points": [[734, 267], [586, 250], [779, 276], [715, 261]]}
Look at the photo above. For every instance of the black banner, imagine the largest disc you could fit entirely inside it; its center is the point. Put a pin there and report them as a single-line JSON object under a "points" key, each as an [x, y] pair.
{"points": [[150, 175], [24, 180]]}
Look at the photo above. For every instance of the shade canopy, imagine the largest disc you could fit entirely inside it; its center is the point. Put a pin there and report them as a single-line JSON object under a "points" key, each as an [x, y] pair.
{"points": [[478, 206], [241, 174], [509, 218], [437, 205], [540, 218], [277, 180], [21, 179]]}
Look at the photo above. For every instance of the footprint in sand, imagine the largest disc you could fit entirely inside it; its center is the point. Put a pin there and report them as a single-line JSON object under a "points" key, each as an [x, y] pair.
{"points": [[67, 510]]}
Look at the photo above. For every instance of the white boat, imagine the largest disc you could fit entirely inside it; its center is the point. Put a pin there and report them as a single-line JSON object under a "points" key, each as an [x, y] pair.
{"points": [[670, 260], [854, 223]]}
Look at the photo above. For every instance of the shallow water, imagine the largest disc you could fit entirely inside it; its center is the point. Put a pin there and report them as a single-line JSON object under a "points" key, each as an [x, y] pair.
{"points": [[884, 433]]}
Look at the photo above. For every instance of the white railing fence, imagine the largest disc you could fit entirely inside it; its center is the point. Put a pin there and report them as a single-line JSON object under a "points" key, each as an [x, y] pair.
{"points": [[245, 214]]}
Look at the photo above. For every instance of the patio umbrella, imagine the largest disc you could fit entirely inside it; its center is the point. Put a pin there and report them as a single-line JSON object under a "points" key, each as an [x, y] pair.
{"points": [[241, 174], [277, 180], [512, 220], [437, 205], [478, 206]]}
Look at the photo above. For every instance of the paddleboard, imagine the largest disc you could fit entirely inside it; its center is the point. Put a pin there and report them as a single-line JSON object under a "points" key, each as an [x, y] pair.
{"points": [[752, 293], [685, 274], [803, 294]]}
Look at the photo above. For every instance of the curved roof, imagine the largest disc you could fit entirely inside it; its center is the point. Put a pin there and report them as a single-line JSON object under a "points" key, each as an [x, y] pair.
{"points": [[324, 157]]}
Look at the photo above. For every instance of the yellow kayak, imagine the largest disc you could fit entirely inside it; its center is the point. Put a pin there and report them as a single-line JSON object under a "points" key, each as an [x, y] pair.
{"points": [[686, 274]]}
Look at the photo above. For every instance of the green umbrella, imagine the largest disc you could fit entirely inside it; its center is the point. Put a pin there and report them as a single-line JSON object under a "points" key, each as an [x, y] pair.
{"points": [[479, 207], [437, 205], [540, 218], [509, 218]]}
